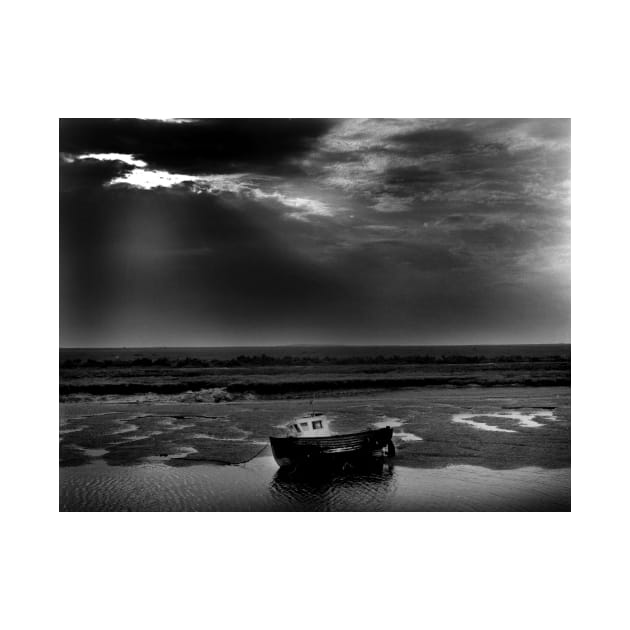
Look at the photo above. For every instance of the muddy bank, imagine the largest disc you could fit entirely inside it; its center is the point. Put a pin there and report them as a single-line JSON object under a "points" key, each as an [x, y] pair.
{"points": [[229, 374], [498, 428], [276, 387]]}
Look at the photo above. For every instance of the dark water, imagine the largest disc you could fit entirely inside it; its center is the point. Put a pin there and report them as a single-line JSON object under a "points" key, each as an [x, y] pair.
{"points": [[261, 486]]}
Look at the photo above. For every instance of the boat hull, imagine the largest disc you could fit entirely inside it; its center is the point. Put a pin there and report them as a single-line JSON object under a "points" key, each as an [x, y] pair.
{"points": [[334, 449]]}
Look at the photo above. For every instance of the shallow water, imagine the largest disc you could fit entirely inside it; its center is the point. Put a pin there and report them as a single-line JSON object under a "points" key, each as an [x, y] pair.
{"points": [[466, 449], [522, 419], [261, 486]]}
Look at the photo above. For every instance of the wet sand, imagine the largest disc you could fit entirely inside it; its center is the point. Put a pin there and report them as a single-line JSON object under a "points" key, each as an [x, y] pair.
{"points": [[457, 449]]}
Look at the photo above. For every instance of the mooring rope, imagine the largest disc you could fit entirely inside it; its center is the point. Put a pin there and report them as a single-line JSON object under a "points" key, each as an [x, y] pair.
{"points": [[254, 456]]}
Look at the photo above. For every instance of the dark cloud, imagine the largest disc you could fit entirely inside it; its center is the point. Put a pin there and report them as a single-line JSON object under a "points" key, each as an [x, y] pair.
{"points": [[414, 176], [218, 146], [90, 174], [286, 231], [452, 142], [436, 140]]}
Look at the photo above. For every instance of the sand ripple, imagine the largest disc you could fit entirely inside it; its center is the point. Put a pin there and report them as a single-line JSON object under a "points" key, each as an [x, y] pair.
{"points": [[153, 486]]}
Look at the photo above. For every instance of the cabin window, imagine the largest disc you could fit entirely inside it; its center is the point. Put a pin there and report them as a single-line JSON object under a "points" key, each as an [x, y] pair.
{"points": [[304, 424], [317, 424], [297, 428]]}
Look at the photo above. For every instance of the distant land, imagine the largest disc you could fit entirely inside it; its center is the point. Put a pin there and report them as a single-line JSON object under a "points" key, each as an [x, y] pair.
{"points": [[319, 345], [228, 373]]}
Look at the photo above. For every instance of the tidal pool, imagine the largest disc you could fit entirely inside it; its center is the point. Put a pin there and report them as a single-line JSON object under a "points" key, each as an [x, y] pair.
{"points": [[464, 449]]}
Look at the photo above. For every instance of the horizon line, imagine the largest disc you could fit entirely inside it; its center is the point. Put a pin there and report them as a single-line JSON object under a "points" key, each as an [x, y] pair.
{"points": [[317, 345]]}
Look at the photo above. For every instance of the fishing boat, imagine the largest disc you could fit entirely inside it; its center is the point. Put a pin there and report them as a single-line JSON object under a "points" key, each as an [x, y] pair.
{"points": [[311, 442]]}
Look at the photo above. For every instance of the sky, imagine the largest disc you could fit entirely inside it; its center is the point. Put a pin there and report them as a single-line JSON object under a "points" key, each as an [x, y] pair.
{"points": [[199, 232]]}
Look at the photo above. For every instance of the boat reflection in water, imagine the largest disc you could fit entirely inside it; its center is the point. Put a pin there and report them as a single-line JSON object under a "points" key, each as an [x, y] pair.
{"points": [[367, 485], [323, 470]]}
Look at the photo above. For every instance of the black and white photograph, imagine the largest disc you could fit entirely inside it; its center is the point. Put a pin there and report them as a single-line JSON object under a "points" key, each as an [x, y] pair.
{"points": [[315, 314]]}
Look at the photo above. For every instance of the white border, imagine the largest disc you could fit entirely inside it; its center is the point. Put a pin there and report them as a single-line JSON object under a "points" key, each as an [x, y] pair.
{"points": [[326, 59]]}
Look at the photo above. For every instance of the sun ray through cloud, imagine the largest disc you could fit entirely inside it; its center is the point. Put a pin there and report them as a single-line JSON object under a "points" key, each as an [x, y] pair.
{"points": [[375, 217]]}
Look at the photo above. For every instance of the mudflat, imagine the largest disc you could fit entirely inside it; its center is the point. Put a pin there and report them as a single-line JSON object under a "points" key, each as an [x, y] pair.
{"points": [[458, 448]]}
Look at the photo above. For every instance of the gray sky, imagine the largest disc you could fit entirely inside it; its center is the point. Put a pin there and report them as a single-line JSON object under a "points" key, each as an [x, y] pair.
{"points": [[246, 232]]}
